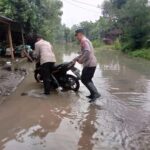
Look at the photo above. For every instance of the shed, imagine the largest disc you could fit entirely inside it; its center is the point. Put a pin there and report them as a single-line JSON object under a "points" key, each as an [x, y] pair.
{"points": [[7, 26]]}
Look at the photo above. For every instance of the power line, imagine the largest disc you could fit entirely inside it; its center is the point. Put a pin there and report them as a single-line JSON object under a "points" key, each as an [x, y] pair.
{"points": [[73, 4], [91, 5], [80, 6]]}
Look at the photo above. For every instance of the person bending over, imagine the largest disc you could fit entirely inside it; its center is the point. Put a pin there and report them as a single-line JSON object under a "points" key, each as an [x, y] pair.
{"points": [[44, 53]]}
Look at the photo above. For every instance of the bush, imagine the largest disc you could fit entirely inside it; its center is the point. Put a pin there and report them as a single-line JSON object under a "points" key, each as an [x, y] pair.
{"points": [[97, 43], [128, 46], [117, 45], [144, 53]]}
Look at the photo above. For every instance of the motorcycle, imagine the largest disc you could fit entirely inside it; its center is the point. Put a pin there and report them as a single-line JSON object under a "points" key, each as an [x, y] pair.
{"points": [[60, 76]]}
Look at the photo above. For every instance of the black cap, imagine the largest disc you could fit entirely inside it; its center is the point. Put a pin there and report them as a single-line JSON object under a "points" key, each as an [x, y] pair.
{"points": [[79, 31]]}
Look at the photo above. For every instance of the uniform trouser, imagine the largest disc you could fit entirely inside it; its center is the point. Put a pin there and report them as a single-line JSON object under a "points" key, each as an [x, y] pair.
{"points": [[46, 70], [86, 78]]}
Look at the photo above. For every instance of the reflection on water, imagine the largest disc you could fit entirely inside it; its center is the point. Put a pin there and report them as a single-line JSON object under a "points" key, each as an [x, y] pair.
{"points": [[120, 119], [88, 129], [129, 79]]}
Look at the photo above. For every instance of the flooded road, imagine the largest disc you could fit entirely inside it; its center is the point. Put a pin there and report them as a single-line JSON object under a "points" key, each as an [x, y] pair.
{"points": [[119, 120]]}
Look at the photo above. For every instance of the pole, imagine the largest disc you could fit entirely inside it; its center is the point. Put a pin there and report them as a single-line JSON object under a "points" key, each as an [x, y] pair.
{"points": [[23, 41], [10, 42], [24, 50]]}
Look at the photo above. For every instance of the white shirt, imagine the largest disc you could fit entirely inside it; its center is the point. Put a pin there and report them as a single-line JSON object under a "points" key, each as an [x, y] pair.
{"points": [[44, 52]]}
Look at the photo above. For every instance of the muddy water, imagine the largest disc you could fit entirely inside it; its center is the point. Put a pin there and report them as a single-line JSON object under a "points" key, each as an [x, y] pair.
{"points": [[119, 120]]}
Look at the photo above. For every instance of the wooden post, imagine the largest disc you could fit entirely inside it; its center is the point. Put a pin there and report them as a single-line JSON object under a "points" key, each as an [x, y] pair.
{"points": [[10, 42], [24, 50], [23, 41]]}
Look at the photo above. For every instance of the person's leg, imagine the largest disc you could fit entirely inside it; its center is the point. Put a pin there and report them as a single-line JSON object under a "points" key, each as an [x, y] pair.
{"points": [[86, 78], [51, 68], [46, 78], [94, 94]]}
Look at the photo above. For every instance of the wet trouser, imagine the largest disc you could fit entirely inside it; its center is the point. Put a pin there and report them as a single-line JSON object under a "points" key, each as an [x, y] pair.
{"points": [[46, 70], [86, 78]]}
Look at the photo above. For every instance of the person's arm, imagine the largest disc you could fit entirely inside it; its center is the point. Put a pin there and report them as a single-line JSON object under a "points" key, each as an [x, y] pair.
{"points": [[83, 57], [85, 53]]}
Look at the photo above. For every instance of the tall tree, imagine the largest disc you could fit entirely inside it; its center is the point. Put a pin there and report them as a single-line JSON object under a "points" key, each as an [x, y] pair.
{"points": [[132, 17], [43, 16]]}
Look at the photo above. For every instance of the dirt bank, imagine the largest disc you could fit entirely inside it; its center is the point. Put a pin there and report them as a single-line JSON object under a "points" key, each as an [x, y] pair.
{"points": [[9, 80]]}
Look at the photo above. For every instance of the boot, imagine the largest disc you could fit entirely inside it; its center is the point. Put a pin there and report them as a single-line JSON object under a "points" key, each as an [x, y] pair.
{"points": [[95, 97], [94, 93], [90, 96]]}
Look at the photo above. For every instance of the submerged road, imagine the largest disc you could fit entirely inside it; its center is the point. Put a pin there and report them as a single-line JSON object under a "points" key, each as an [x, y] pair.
{"points": [[119, 120]]}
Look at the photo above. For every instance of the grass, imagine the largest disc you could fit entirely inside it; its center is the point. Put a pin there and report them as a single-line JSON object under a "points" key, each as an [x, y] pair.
{"points": [[143, 53], [97, 43]]}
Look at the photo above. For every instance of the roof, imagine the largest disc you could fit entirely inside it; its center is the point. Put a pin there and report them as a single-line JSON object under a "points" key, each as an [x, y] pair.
{"points": [[6, 20]]}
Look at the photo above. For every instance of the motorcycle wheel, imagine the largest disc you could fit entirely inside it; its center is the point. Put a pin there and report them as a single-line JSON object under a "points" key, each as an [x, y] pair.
{"points": [[72, 83]]}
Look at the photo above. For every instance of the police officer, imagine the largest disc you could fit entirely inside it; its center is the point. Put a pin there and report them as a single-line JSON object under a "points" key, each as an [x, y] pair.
{"points": [[88, 59], [44, 52]]}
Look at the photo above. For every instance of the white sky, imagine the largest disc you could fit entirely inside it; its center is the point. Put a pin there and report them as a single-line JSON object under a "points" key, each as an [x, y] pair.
{"points": [[76, 11]]}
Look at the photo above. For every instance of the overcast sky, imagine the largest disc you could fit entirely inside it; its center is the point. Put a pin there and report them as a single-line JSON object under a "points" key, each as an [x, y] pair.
{"points": [[76, 11]]}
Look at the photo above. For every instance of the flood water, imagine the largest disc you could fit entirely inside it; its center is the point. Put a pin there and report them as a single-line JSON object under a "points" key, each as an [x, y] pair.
{"points": [[119, 120]]}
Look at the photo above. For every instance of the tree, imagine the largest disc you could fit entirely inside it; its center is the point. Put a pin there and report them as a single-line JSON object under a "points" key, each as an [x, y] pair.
{"points": [[118, 3], [52, 20], [42, 16], [132, 17], [134, 20]]}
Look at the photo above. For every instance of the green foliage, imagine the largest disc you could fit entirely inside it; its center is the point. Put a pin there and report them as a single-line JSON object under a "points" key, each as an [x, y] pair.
{"points": [[117, 44], [67, 34], [133, 18], [135, 23], [97, 43], [143, 53], [127, 47], [118, 3], [42, 16]]}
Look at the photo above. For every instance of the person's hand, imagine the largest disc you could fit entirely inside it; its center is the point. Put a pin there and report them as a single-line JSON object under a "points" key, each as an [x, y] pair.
{"points": [[75, 60], [79, 61]]}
